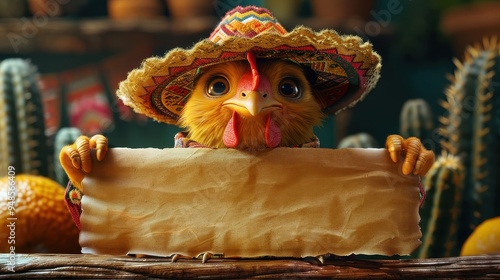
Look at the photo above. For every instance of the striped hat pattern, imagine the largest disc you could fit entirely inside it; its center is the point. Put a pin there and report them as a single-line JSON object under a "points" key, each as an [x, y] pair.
{"points": [[346, 68]]}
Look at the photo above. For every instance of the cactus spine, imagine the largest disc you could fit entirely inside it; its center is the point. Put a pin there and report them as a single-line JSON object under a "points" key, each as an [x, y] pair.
{"points": [[440, 213], [416, 119], [65, 136], [22, 125], [359, 140], [471, 130]]}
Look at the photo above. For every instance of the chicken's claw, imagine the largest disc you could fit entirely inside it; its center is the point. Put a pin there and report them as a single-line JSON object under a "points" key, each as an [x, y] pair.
{"points": [[204, 257], [76, 158], [73, 154], [100, 143], [417, 159], [83, 149], [176, 257]]}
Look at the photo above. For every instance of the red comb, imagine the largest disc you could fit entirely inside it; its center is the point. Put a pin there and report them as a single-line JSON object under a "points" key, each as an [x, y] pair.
{"points": [[253, 67]]}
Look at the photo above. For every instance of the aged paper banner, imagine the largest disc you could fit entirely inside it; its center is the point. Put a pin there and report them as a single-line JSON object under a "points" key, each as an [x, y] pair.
{"points": [[293, 202]]}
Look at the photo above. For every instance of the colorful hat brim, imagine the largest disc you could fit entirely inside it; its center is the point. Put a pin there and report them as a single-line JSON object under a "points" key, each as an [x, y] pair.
{"points": [[347, 69]]}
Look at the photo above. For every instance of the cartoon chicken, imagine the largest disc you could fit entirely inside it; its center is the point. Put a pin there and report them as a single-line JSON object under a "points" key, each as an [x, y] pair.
{"points": [[251, 85]]}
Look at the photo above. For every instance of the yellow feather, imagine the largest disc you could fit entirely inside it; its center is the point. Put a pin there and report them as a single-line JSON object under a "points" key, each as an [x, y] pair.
{"points": [[206, 118]]}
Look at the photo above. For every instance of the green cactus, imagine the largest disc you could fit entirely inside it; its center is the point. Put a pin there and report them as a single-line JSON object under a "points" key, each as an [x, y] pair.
{"points": [[22, 126], [416, 119], [65, 136], [359, 140], [471, 130], [441, 210]]}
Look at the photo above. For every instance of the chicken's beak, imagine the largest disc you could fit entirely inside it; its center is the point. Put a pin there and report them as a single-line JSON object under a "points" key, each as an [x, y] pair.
{"points": [[252, 103], [253, 94]]}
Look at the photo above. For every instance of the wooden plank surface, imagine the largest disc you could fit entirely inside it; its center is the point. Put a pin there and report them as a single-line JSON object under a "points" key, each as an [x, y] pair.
{"points": [[112, 267], [58, 35]]}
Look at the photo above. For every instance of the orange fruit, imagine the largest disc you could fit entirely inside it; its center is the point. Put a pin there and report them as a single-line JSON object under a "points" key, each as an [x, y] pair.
{"points": [[38, 221], [485, 239]]}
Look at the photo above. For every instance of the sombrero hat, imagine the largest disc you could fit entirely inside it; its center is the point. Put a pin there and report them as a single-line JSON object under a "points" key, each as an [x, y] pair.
{"points": [[346, 68]]}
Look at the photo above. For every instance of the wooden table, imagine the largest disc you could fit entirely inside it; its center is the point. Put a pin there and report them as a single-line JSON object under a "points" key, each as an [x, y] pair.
{"points": [[113, 267]]}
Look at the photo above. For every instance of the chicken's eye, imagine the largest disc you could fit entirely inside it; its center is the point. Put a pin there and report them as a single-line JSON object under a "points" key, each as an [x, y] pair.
{"points": [[217, 86], [290, 88]]}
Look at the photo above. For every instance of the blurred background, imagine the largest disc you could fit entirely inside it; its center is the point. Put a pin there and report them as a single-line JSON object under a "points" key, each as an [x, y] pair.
{"points": [[89, 45], [75, 52]]}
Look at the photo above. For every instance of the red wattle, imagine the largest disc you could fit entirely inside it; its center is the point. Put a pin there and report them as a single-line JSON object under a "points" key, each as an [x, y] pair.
{"points": [[273, 133], [230, 137]]}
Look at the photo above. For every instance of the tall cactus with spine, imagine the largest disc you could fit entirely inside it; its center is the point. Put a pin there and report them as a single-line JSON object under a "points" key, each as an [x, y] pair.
{"points": [[471, 131], [65, 136], [441, 211], [358, 140], [463, 186], [22, 126], [416, 119]]}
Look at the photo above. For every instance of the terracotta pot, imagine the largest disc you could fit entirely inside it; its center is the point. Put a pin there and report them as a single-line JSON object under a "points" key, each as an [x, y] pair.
{"points": [[337, 12], [135, 9], [469, 24], [56, 8], [190, 8]]}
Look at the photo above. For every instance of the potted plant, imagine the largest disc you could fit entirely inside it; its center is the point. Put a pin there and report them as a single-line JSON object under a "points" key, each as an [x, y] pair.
{"points": [[189, 8], [133, 9], [339, 12], [467, 22]]}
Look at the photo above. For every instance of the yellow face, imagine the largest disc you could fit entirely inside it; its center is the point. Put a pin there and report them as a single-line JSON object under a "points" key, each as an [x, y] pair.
{"points": [[264, 106]]}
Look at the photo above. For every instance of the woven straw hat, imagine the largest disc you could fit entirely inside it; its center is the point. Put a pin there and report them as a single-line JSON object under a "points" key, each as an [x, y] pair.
{"points": [[347, 69]]}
